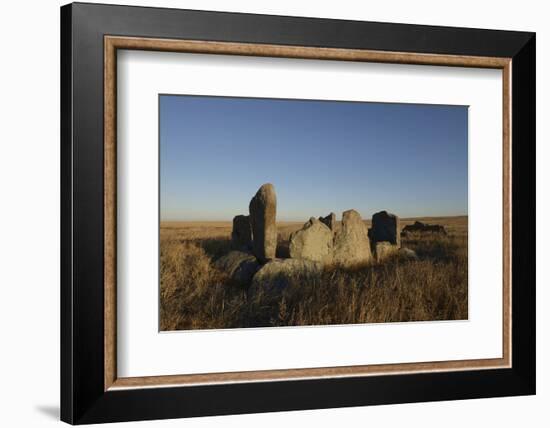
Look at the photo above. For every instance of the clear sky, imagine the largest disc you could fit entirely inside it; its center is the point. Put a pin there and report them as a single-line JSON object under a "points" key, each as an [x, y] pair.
{"points": [[321, 156]]}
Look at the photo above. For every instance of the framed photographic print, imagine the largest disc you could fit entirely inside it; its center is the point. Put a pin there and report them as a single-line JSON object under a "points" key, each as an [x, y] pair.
{"points": [[266, 213]]}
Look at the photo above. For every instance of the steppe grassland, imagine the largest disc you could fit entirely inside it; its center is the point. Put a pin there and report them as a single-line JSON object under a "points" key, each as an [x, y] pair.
{"points": [[195, 295]]}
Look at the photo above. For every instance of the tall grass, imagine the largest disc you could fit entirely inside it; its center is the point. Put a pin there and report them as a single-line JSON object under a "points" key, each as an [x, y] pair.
{"points": [[195, 295]]}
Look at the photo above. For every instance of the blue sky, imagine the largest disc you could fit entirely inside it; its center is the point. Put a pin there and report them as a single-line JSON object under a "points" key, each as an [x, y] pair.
{"points": [[321, 156]]}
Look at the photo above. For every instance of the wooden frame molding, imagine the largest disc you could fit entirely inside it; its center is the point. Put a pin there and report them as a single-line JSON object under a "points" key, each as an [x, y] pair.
{"points": [[113, 43]]}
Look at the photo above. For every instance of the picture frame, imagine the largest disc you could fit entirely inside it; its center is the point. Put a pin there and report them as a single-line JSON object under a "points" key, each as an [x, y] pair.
{"points": [[91, 391]]}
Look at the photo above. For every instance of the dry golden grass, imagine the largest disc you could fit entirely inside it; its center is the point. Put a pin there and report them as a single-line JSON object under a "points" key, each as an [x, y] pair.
{"points": [[195, 295]]}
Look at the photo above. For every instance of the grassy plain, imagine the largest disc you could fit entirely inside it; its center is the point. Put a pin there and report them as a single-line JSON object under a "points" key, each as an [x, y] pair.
{"points": [[195, 295]]}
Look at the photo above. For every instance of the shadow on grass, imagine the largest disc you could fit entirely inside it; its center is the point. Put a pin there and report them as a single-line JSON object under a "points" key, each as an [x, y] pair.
{"points": [[436, 248], [214, 247], [218, 247]]}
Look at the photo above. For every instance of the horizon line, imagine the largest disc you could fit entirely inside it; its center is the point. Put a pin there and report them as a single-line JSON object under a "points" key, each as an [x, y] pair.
{"points": [[302, 220]]}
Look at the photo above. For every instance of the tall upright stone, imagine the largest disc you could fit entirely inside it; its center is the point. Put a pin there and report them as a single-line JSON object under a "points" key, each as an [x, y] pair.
{"points": [[311, 242], [263, 212], [241, 236], [330, 221], [351, 241], [385, 228]]}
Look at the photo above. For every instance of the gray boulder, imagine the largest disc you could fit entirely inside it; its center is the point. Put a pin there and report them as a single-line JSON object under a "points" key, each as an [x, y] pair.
{"points": [[351, 241], [263, 211], [240, 266], [312, 242], [385, 227], [241, 236], [277, 274]]}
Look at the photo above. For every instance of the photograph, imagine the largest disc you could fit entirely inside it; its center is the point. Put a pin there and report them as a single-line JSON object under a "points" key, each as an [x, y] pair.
{"points": [[291, 212]]}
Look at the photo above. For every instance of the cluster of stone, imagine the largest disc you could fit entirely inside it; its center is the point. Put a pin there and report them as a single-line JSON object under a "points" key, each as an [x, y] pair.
{"points": [[322, 240], [319, 242], [349, 243]]}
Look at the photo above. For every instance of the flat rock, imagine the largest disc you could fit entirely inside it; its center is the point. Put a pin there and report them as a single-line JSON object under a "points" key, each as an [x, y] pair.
{"points": [[312, 242], [278, 274], [351, 241], [240, 266], [263, 212], [241, 235]]}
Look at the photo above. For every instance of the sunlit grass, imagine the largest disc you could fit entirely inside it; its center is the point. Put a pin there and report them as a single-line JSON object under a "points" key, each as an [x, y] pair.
{"points": [[195, 295]]}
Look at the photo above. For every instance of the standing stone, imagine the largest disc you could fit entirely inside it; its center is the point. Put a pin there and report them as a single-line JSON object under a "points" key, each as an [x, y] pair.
{"points": [[330, 221], [312, 242], [263, 210], [385, 227], [241, 236], [351, 242]]}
